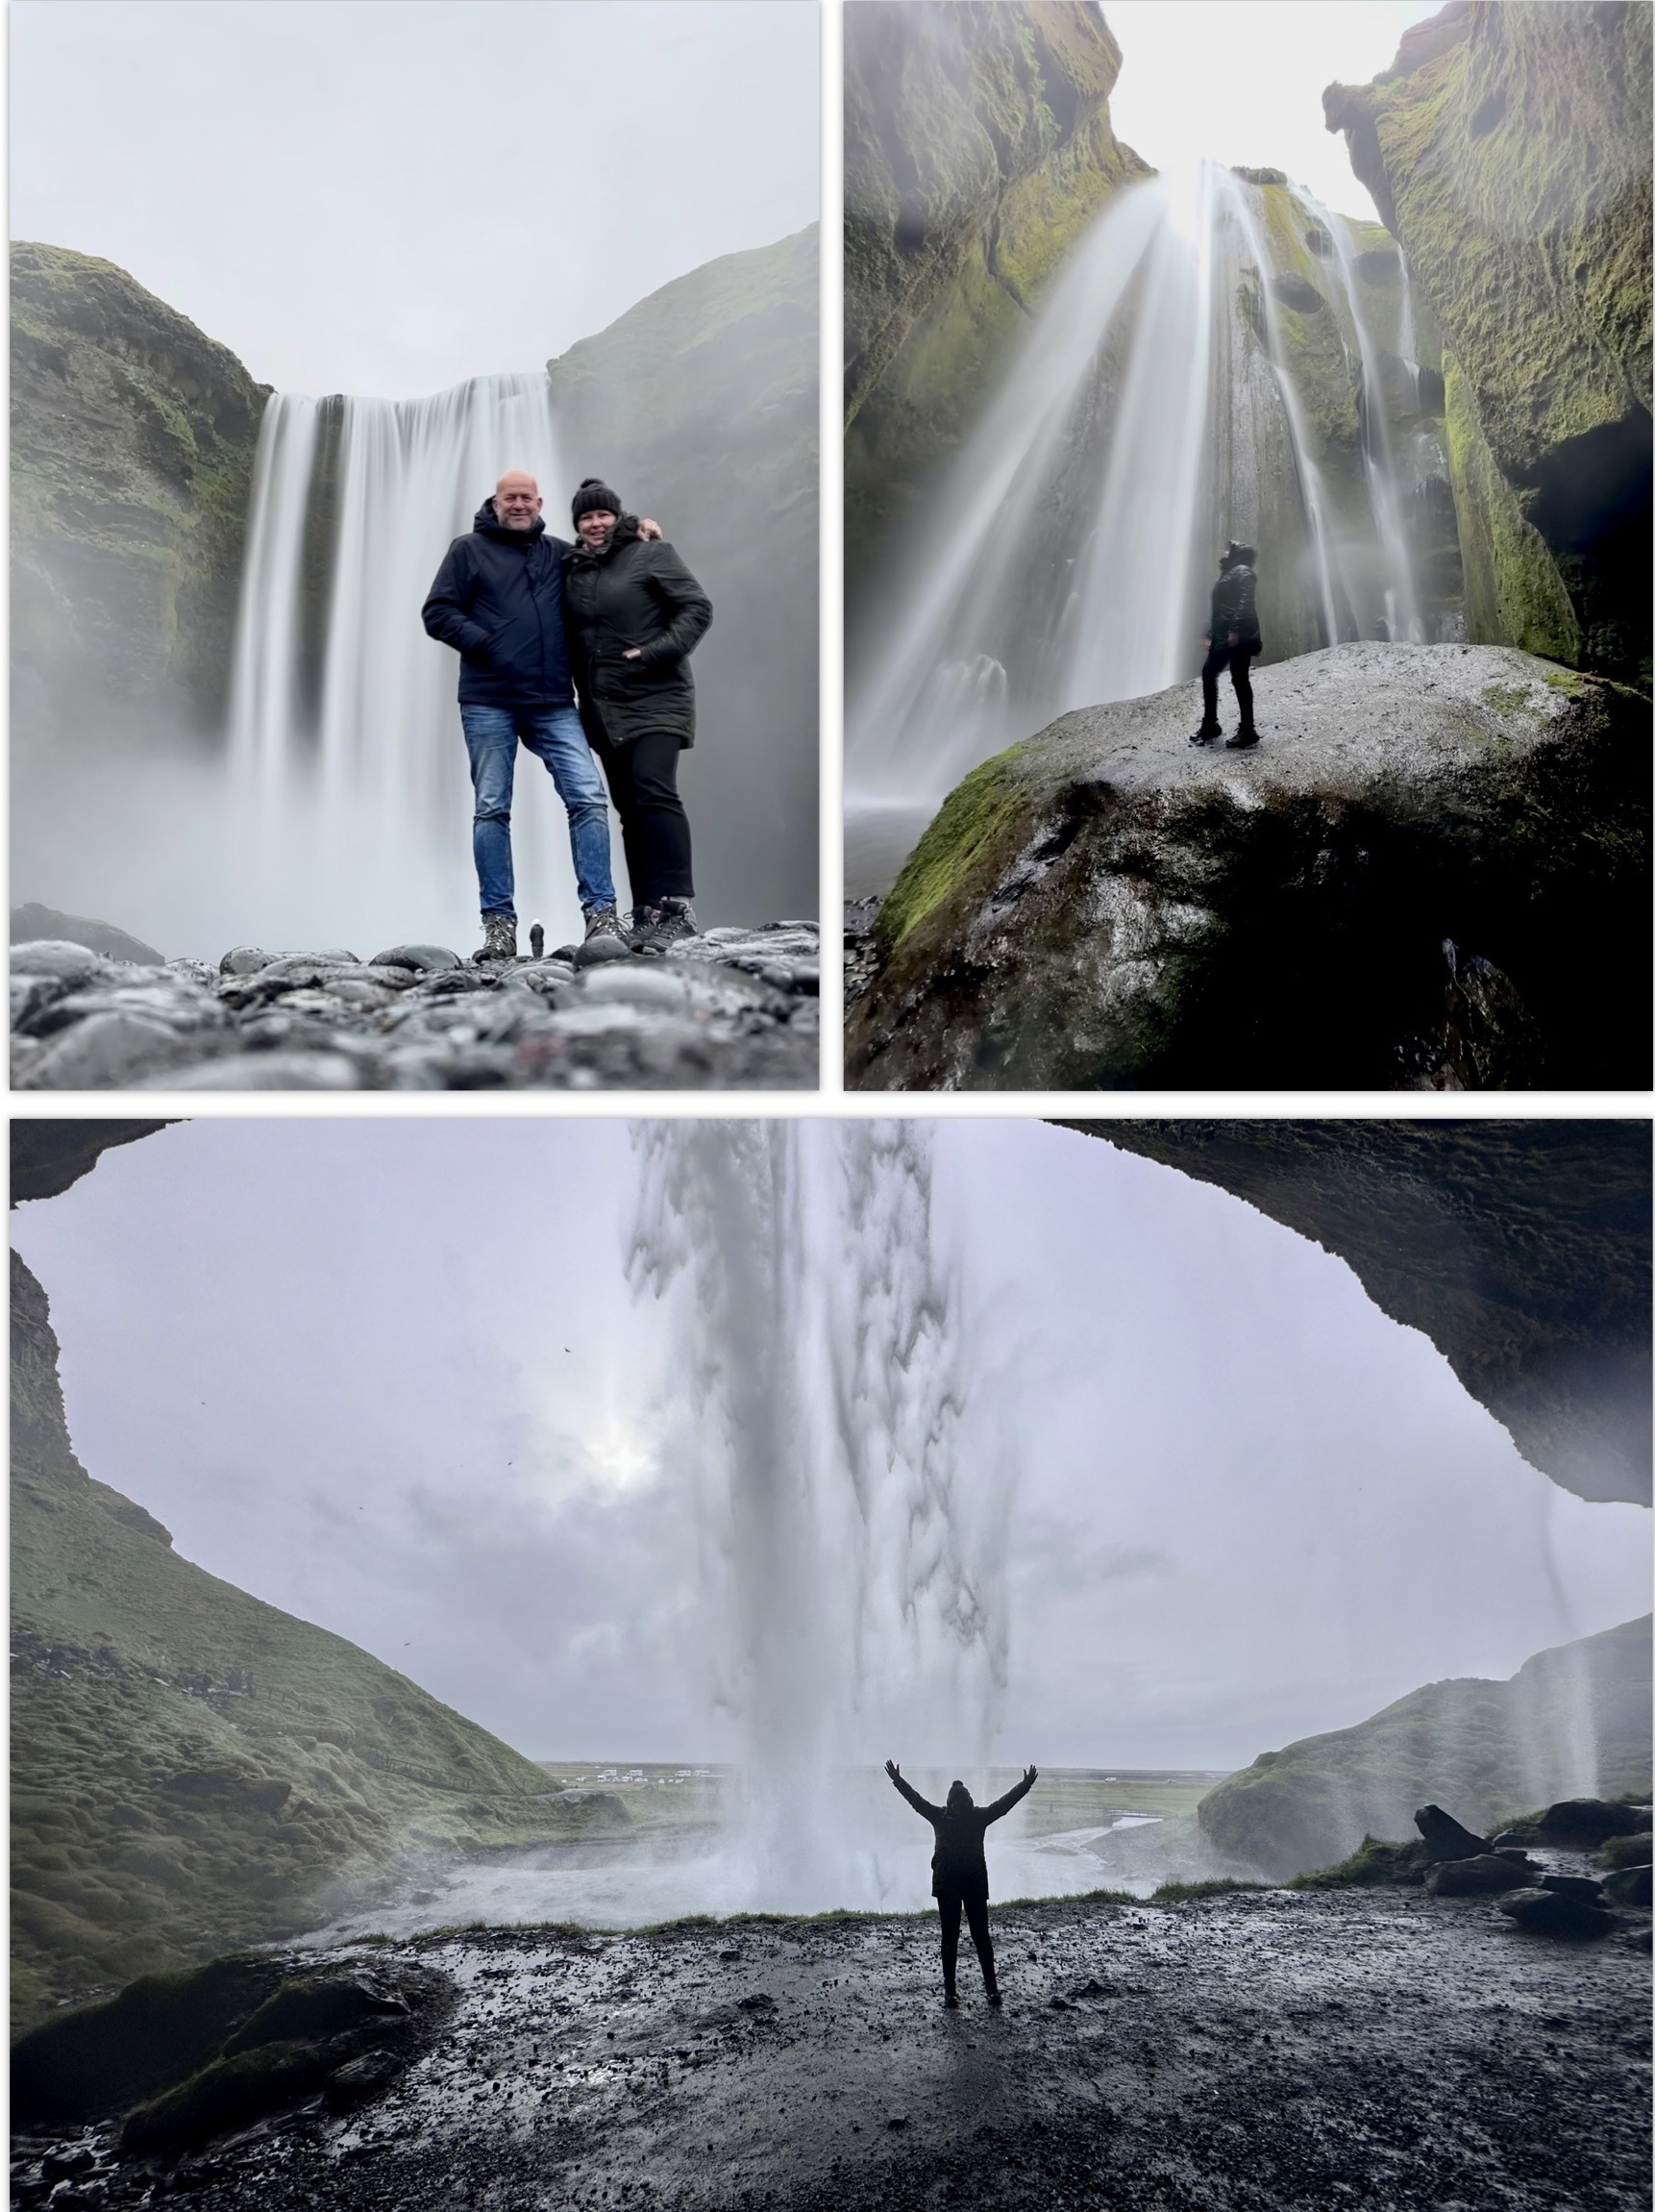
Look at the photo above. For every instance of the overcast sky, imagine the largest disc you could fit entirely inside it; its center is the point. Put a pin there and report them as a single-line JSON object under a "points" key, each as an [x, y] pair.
{"points": [[1241, 81], [389, 1377], [386, 196]]}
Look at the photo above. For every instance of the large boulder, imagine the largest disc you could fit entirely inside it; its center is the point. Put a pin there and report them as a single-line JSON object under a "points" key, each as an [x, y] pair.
{"points": [[1431, 873], [1507, 148], [978, 149], [1486, 1747]]}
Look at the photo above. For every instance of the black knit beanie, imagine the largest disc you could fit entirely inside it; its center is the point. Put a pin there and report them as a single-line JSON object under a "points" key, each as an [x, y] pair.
{"points": [[594, 496]]}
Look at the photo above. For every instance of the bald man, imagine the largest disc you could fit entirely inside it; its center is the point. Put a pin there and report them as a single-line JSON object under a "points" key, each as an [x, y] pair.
{"points": [[498, 600]]}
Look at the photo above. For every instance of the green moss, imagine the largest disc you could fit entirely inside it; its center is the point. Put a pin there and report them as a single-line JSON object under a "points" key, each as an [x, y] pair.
{"points": [[1373, 1861], [1510, 699], [1181, 1892], [1514, 593], [972, 817]]}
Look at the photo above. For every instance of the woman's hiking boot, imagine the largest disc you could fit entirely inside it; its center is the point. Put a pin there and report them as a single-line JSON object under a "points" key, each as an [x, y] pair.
{"points": [[1246, 736], [498, 939], [606, 939], [1208, 733], [667, 926], [951, 1998]]}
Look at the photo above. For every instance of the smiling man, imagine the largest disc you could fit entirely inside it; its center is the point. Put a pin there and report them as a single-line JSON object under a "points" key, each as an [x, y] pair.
{"points": [[498, 600]]}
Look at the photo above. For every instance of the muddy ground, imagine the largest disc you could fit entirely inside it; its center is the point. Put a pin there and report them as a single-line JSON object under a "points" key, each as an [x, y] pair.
{"points": [[1271, 2050]]}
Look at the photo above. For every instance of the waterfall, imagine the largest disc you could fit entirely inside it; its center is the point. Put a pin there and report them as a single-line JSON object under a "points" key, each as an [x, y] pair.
{"points": [[850, 1492], [347, 763], [1151, 409]]}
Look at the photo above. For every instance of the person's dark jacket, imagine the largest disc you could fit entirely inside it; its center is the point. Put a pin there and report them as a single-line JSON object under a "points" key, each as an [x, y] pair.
{"points": [[959, 1867], [498, 600], [1235, 607], [634, 591]]}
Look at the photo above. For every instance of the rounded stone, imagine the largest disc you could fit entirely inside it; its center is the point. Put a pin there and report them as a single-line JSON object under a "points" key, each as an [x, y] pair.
{"points": [[423, 959], [597, 951]]}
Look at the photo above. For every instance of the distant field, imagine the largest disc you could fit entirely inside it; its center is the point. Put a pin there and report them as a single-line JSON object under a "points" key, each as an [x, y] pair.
{"points": [[673, 1797]]}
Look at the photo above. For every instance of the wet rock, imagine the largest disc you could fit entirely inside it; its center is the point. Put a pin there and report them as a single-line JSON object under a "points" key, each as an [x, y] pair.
{"points": [[32, 921], [1105, 906], [597, 951], [730, 1009], [1446, 1839], [1548, 1912], [423, 959], [1485, 1875]]}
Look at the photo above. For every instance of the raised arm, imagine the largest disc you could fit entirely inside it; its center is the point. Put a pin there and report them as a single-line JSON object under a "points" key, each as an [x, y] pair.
{"points": [[685, 608], [1013, 1796], [928, 1812]]}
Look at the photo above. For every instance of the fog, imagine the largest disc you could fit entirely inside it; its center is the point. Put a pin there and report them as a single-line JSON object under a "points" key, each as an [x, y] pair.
{"points": [[394, 1378]]}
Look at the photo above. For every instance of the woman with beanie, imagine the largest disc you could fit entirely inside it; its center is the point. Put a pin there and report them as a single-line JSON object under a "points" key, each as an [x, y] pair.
{"points": [[633, 614]]}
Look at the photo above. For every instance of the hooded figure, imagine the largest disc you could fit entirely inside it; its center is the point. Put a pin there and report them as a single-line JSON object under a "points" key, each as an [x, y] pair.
{"points": [[960, 1869], [1233, 642]]}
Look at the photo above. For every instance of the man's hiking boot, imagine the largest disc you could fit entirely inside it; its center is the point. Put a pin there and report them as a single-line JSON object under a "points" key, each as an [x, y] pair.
{"points": [[1208, 733], [606, 939], [667, 926], [1241, 739], [498, 939]]}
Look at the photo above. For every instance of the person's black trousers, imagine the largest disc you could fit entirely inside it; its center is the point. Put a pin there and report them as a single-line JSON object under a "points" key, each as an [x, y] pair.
{"points": [[643, 779], [976, 1917], [1239, 660]]}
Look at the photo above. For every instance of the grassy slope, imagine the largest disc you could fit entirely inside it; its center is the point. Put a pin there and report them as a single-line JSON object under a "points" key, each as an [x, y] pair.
{"points": [[191, 1768]]}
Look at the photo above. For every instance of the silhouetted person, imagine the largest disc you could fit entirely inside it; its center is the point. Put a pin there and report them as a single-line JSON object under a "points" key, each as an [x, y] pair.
{"points": [[1234, 643], [959, 1870]]}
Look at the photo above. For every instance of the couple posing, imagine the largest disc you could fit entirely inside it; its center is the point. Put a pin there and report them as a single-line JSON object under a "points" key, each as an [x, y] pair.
{"points": [[611, 619]]}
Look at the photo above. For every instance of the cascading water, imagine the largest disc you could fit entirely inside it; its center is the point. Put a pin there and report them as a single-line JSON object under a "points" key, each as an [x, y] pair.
{"points": [[852, 1507], [1153, 410], [347, 763]]}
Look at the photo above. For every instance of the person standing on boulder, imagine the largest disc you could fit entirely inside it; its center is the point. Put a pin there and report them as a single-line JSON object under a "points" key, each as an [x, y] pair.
{"points": [[635, 616], [1234, 641], [498, 600], [959, 1870]]}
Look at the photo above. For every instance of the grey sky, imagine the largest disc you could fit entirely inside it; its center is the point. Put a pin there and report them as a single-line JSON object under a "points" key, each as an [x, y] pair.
{"points": [[386, 196], [389, 1377], [1241, 81]]}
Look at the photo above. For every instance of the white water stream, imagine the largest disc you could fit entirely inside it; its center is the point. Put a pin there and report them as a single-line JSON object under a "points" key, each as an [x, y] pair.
{"points": [[1147, 414], [349, 783]]}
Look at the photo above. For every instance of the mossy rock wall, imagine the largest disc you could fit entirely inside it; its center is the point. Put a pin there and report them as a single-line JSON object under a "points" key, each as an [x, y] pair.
{"points": [[132, 443], [191, 1768], [1508, 148], [701, 407], [977, 148]]}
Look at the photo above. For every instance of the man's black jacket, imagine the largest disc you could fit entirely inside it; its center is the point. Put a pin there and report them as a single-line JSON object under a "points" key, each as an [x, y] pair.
{"points": [[634, 591], [959, 1867], [498, 600]]}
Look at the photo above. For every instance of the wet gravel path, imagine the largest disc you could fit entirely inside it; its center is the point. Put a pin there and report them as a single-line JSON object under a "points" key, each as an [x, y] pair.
{"points": [[1267, 2051]]}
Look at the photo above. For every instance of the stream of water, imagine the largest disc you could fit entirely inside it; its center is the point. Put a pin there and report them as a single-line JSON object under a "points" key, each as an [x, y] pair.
{"points": [[1150, 412]]}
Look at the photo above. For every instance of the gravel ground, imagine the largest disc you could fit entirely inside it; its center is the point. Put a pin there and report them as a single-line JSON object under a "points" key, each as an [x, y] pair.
{"points": [[1267, 2051], [733, 1009]]}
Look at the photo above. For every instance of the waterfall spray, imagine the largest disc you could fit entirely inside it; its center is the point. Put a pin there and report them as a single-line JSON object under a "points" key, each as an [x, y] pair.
{"points": [[1151, 411], [851, 1497], [345, 740]]}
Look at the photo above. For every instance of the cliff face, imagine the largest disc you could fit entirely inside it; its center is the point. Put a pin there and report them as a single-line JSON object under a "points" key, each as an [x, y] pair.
{"points": [[977, 147], [1508, 150], [132, 441], [701, 405], [1572, 1722], [192, 1769], [1520, 1249]]}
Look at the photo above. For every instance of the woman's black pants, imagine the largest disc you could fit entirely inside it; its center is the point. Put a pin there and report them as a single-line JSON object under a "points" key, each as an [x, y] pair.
{"points": [[643, 779], [1240, 660], [949, 1905]]}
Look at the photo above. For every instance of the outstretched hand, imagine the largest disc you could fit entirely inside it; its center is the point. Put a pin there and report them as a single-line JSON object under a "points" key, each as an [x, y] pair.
{"points": [[893, 1770], [1031, 1773]]}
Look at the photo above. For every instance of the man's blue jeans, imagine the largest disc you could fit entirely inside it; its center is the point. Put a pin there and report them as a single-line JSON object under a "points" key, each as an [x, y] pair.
{"points": [[554, 736]]}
